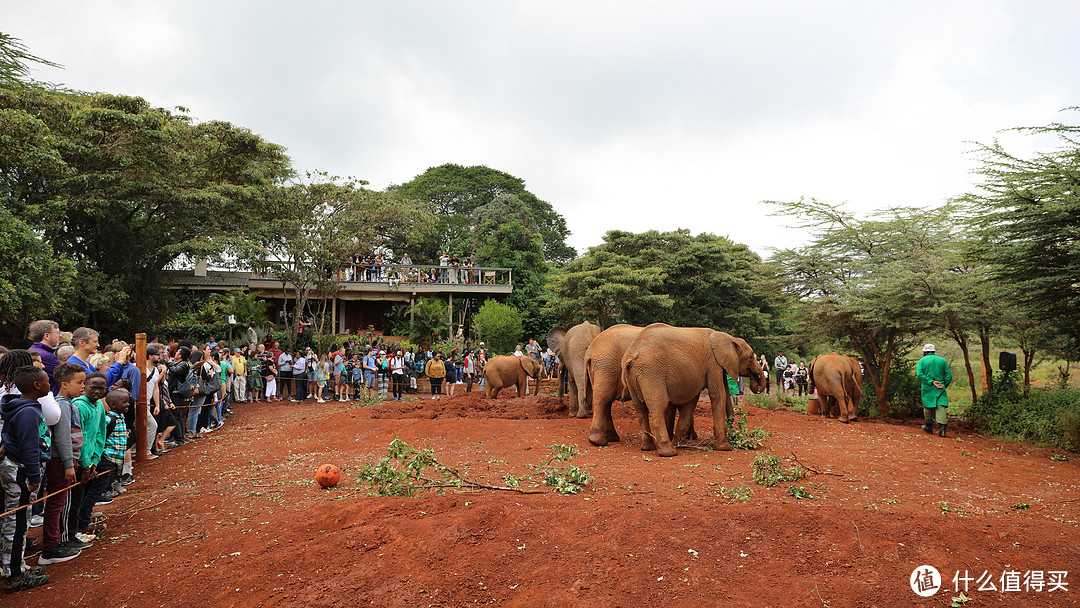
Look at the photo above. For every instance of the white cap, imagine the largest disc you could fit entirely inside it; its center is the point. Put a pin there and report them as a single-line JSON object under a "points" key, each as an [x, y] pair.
{"points": [[481, 344], [928, 348]]}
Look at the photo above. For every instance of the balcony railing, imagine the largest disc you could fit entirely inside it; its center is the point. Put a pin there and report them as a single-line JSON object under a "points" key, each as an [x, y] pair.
{"points": [[414, 274]]}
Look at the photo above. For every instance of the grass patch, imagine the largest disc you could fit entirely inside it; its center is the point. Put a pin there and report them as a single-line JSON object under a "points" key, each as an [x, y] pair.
{"points": [[1040, 416]]}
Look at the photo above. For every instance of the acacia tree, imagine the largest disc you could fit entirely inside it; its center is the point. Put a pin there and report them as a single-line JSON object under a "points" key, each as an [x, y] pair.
{"points": [[862, 280], [319, 225], [1028, 221]]}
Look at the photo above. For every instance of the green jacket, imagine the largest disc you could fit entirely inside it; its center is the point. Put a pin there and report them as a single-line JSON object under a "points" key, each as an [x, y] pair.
{"points": [[92, 416], [930, 368]]}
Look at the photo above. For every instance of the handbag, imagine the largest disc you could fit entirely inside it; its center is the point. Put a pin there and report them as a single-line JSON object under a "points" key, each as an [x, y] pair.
{"points": [[211, 385]]}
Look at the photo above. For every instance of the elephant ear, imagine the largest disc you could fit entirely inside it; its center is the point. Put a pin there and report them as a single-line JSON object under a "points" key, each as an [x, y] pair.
{"points": [[556, 338], [727, 352], [529, 365]]}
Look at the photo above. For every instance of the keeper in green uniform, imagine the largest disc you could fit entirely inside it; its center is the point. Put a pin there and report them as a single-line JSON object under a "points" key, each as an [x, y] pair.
{"points": [[935, 374]]}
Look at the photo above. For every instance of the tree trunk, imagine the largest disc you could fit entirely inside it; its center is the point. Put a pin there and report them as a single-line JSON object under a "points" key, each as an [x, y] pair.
{"points": [[962, 341], [988, 373], [877, 363], [1029, 360]]}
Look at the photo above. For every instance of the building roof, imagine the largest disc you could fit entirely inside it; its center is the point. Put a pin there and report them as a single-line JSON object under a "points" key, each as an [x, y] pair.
{"points": [[214, 279]]}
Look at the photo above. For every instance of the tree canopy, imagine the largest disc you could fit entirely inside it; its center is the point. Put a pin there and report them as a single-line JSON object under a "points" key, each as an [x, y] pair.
{"points": [[456, 193], [672, 277]]}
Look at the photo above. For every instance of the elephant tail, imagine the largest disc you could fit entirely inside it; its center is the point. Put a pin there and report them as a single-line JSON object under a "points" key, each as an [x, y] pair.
{"points": [[588, 380]]}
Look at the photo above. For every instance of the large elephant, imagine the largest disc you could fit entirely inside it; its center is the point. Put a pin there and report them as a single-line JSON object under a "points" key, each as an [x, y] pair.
{"points": [[570, 346], [667, 367], [838, 380], [507, 370], [603, 378]]}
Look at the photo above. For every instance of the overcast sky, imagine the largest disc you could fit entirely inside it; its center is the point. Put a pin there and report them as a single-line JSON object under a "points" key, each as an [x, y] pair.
{"points": [[623, 115]]}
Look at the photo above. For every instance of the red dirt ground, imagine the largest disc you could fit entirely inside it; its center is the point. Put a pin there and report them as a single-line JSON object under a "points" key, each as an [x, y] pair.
{"points": [[236, 519]]}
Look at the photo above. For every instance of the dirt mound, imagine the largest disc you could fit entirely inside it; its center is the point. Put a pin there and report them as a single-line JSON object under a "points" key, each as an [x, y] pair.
{"points": [[472, 405]]}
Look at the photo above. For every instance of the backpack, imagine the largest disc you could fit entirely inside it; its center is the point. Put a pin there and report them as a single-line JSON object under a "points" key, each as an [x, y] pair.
{"points": [[188, 387]]}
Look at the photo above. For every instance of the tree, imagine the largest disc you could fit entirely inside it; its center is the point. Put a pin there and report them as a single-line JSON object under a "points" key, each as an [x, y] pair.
{"points": [[671, 277], [125, 189], [1027, 213], [862, 280], [509, 244], [33, 278], [318, 226], [456, 192], [499, 325], [14, 60], [430, 320], [605, 286]]}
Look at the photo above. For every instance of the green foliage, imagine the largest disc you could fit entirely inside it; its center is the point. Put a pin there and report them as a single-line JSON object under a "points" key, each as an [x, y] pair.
{"points": [[864, 280], [567, 480], [799, 493], [509, 244], [1044, 416], [1059, 457], [671, 277], [768, 471], [946, 508], [1020, 506], [33, 278], [740, 493], [14, 60], [463, 198], [1027, 213], [743, 438], [132, 189], [430, 320], [407, 471], [903, 393], [499, 325]]}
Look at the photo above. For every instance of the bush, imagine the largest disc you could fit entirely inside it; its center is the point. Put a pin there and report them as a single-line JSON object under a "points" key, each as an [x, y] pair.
{"points": [[498, 325], [1045, 416], [904, 394]]}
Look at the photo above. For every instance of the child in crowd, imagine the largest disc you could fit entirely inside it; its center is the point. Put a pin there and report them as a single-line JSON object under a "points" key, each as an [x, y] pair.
{"points": [[113, 443], [92, 415], [26, 444], [356, 376], [58, 545], [322, 372]]}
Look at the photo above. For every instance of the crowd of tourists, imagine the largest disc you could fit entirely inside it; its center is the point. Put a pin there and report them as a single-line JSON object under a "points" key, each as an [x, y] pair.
{"points": [[68, 423], [379, 268]]}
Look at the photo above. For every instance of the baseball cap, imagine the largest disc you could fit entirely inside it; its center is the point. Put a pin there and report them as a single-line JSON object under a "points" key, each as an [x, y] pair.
{"points": [[151, 351]]}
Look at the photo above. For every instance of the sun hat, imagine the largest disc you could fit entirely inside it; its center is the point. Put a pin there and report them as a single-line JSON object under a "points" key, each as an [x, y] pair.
{"points": [[928, 348]]}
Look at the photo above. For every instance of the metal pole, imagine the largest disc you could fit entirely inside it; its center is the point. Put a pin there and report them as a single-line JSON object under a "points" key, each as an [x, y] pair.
{"points": [[140, 407]]}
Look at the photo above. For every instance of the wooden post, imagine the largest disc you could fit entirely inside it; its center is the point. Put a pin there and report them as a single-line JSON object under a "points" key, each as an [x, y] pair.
{"points": [[140, 407]]}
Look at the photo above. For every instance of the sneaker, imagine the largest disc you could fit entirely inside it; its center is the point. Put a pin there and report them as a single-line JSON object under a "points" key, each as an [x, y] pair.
{"points": [[85, 538], [31, 546], [29, 580], [320, 401], [104, 500], [58, 554], [75, 543], [127, 479], [119, 491], [37, 521]]}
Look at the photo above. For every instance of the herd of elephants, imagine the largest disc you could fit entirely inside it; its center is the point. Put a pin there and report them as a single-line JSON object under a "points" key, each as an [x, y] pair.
{"points": [[663, 369]]}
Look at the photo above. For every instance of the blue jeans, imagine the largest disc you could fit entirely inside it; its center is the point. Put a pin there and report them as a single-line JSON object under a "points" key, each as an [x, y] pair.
{"points": [[193, 413]]}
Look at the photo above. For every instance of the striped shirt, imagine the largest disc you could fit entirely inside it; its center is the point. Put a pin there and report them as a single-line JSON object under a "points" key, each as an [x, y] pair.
{"points": [[116, 442]]}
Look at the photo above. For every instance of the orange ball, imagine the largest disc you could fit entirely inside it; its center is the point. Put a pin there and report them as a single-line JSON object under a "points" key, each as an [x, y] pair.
{"points": [[328, 476]]}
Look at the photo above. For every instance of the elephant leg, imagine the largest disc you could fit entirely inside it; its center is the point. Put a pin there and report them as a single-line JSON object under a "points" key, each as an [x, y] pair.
{"points": [[669, 421], [572, 405], [656, 401], [602, 429], [686, 423], [648, 443], [719, 401], [853, 408]]}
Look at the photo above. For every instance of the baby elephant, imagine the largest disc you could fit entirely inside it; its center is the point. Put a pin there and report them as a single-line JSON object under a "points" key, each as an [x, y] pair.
{"points": [[504, 370]]}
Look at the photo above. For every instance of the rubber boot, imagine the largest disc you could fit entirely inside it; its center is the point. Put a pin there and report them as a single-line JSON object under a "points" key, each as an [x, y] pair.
{"points": [[928, 427], [941, 429]]}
